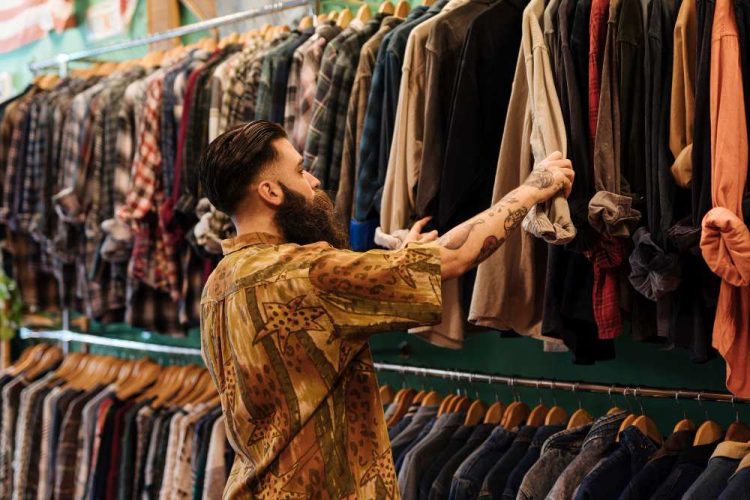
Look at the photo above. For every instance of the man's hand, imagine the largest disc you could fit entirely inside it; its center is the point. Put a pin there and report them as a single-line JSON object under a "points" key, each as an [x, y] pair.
{"points": [[553, 175], [415, 233]]}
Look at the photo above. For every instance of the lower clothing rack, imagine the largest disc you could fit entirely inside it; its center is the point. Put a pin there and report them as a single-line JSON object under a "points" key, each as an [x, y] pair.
{"points": [[487, 378], [65, 337]]}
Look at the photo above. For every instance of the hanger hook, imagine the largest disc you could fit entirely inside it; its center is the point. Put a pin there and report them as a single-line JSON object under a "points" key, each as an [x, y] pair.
{"points": [[639, 400], [703, 407], [539, 392], [554, 394], [577, 396], [677, 401]]}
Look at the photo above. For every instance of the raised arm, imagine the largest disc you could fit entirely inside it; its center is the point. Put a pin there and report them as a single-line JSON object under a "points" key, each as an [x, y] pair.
{"points": [[470, 243]]}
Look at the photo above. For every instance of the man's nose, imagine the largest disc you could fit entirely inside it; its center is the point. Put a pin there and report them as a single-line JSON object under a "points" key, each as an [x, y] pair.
{"points": [[312, 180]]}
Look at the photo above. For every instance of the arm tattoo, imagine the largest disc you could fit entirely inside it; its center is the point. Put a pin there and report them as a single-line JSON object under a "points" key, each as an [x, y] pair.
{"points": [[514, 218], [457, 237], [540, 179], [488, 248]]}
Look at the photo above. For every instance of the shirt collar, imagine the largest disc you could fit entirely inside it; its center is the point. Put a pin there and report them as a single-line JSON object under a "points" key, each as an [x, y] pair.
{"points": [[231, 245]]}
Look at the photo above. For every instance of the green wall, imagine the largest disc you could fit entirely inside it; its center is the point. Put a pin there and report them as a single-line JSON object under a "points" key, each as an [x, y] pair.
{"points": [[16, 62]]}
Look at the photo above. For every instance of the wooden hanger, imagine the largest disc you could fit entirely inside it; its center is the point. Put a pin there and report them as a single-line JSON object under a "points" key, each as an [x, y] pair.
{"points": [[333, 15], [684, 425], [403, 8], [557, 415], [402, 406], [454, 404], [476, 412], [50, 358], [613, 410], [648, 428], [537, 415], [461, 406], [321, 18], [387, 7], [305, 23], [364, 13], [516, 414], [264, 29], [445, 404], [344, 18], [418, 397], [432, 398], [579, 417], [387, 395], [494, 413], [29, 356], [707, 433], [738, 431]]}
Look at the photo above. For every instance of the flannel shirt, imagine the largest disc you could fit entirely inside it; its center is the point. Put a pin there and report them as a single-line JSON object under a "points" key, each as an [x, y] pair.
{"points": [[345, 73], [217, 81], [265, 101], [293, 82], [235, 86], [308, 82], [355, 119], [280, 80], [607, 256], [316, 153], [169, 122], [371, 175], [11, 395]]}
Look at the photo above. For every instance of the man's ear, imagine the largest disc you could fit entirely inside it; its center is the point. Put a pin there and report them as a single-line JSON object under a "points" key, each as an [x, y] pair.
{"points": [[270, 192]]}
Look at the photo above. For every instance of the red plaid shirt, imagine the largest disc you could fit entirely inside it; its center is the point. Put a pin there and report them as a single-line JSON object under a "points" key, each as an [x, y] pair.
{"points": [[153, 260], [607, 256]]}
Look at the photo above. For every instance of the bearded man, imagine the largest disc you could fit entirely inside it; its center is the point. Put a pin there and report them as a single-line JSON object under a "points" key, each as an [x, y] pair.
{"points": [[286, 315]]}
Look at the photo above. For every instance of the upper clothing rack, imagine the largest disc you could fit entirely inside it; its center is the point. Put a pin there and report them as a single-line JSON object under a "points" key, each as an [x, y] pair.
{"points": [[66, 336], [61, 60]]}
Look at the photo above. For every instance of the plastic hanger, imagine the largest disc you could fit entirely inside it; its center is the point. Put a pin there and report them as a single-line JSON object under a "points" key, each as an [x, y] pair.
{"points": [[387, 7], [364, 13], [403, 8], [387, 395]]}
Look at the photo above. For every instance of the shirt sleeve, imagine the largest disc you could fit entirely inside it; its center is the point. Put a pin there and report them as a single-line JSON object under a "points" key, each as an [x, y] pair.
{"points": [[379, 291]]}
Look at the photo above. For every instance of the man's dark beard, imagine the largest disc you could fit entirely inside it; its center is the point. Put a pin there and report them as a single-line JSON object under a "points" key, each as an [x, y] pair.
{"points": [[305, 222]]}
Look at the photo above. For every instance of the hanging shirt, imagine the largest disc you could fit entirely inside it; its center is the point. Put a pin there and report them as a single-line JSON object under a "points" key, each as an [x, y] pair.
{"points": [[725, 242]]}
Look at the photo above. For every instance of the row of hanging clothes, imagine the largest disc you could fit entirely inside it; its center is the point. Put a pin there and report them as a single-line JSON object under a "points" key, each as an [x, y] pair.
{"points": [[455, 448], [91, 426], [451, 109]]}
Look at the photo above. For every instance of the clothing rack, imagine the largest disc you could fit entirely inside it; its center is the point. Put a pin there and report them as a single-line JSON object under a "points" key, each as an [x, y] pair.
{"points": [[62, 60], [638, 391], [65, 337]]}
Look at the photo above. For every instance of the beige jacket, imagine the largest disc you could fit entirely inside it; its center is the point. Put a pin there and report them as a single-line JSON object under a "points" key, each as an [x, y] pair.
{"points": [[509, 290]]}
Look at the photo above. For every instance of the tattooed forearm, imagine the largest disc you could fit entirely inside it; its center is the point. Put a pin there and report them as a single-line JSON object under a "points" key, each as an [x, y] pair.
{"points": [[514, 218], [457, 237], [488, 248], [540, 179]]}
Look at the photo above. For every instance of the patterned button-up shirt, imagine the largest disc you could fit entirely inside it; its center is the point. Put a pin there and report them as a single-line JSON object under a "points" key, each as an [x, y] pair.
{"points": [[284, 332]]}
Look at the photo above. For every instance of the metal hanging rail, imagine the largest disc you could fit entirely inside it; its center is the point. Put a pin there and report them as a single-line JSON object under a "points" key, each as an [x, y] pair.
{"points": [[569, 386], [62, 60], [66, 336]]}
